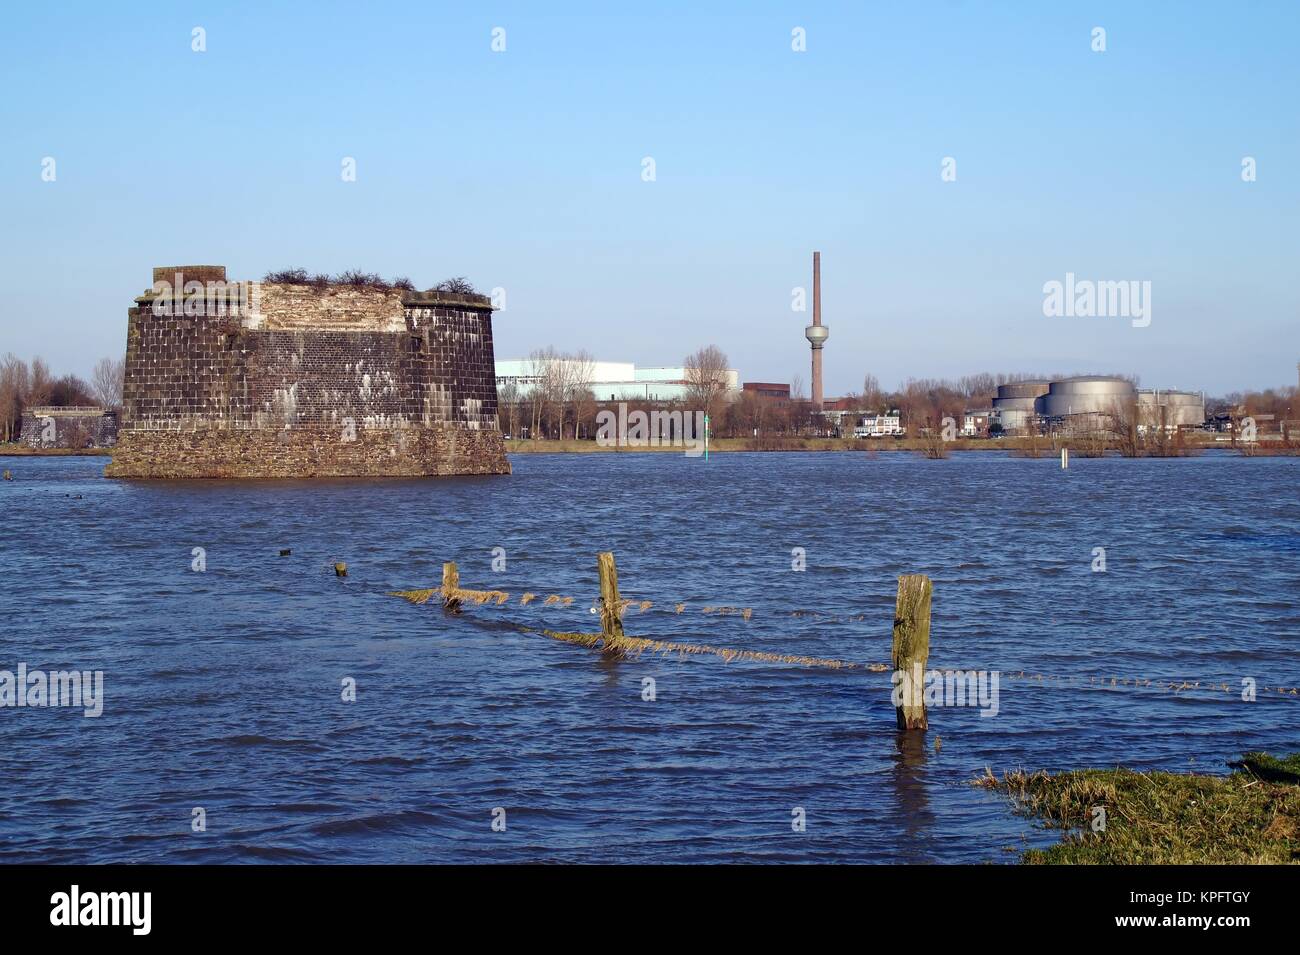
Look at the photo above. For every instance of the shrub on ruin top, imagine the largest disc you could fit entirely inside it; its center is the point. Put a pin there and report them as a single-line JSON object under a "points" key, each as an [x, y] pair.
{"points": [[459, 285], [356, 278]]}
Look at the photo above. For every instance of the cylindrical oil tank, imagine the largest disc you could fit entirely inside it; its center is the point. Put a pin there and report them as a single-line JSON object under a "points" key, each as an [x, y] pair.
{"points": [[1014, 405], [1023, 389], [1170, 409], [1015, 419], [1091, 395]]}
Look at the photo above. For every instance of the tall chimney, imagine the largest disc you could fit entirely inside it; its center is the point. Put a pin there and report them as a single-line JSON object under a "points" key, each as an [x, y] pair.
{"points": [[817, 333]]}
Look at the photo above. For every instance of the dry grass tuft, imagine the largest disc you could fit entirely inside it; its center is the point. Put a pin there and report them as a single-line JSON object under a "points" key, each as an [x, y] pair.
{"points": [[633, 647], [415, 596], [1160, 818], [473, 596]]}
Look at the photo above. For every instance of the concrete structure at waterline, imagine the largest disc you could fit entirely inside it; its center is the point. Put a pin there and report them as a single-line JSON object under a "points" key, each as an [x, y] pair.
{"points": [[76, 427], [229, 379]]}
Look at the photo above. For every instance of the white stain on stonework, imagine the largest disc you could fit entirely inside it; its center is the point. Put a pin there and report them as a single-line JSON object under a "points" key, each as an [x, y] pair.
{"points": [[284, 402], [365, 387], [471, 410], [437, 404], [385, 421]]}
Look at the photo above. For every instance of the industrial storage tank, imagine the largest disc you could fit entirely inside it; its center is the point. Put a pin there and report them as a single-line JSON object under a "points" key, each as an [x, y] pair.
{"points": [[1089, 394], [1170, 409], [1023, 389], [1014, 405]]}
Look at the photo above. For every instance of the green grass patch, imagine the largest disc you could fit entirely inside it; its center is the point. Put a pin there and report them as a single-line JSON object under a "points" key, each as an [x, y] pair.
{"points": [[1249, 816], [17, 450]]}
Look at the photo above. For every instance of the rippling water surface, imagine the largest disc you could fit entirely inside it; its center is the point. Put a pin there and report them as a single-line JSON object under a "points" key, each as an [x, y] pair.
{"points": [[223, 688]]}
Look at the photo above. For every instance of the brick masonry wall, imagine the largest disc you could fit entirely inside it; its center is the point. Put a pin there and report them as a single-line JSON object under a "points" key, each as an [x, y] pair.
{"points": [[215, 396]]}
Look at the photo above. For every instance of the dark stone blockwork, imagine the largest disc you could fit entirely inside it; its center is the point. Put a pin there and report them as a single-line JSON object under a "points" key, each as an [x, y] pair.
{"points": [[269, 380]]}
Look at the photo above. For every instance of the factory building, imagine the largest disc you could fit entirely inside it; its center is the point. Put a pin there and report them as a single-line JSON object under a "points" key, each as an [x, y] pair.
{"points": [[767, 389], [608, 380]]}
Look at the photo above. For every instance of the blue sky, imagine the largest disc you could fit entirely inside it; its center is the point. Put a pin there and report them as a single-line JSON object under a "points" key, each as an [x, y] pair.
{"points": [[522, 170]]}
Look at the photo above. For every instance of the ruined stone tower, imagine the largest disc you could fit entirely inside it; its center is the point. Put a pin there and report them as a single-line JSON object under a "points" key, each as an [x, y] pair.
{"points": [[267, 380]]}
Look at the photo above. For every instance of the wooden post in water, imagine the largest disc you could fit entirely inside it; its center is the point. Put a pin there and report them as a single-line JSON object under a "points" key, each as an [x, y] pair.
{"points": [[1065, 458], [911, 650], [450, 585], [611, 620]]}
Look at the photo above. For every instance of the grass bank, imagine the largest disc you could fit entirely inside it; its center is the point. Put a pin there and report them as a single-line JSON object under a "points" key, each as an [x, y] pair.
{"points": [[15, 450], [1250, 816]]}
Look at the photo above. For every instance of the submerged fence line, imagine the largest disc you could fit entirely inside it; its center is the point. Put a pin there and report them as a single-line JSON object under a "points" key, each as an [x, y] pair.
{"points": [[910, 643], [500, 598], [626, 647]]}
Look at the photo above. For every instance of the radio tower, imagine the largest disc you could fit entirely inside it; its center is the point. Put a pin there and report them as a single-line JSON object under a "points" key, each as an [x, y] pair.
{"points": [[817, 333]]}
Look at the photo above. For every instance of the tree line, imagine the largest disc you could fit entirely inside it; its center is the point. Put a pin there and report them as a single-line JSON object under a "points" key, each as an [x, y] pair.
{"points": [[30, 385], [561, 402]]}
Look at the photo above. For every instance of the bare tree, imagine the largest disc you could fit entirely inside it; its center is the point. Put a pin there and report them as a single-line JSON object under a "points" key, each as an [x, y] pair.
{"points": [[580, 371], [554, 386], [41, 383], [107, 381], [872, 397], [539, 371], [1124, 427], [15, 383], [933, 445], [706, 379], [752, 411], [68, 391], [508, 399]]}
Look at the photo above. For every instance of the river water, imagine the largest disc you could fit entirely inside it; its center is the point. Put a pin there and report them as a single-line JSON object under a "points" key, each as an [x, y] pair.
{"points": [[223, 687]]}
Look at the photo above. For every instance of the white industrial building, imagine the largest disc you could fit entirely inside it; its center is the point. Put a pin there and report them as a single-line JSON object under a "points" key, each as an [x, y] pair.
{"points": [[610, 380]]}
